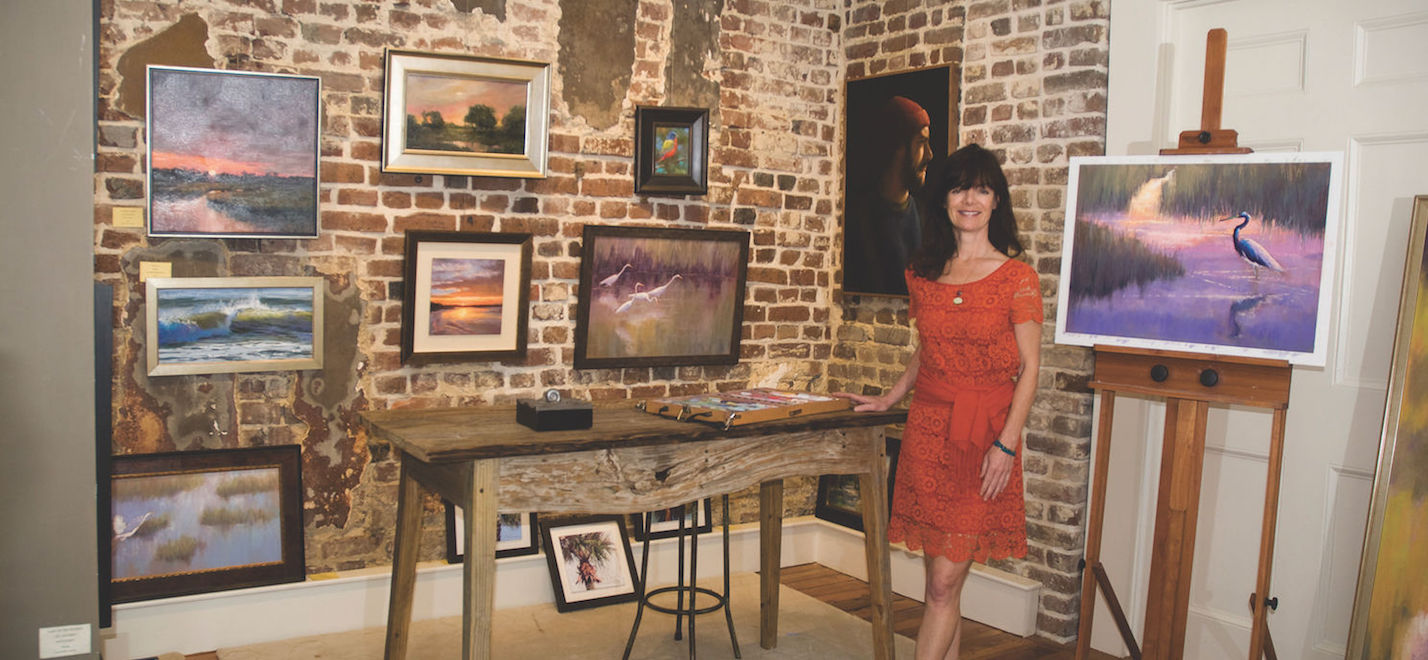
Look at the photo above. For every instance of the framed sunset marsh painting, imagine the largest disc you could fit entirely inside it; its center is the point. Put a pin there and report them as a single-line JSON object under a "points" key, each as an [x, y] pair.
{"points": [[660, 297], [466, 295], [232, 153], [465, 115], [199, 521], [207, 325], [1225, 255]]}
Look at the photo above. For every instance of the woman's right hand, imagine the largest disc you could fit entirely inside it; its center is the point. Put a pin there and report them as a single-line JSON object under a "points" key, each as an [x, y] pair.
{"points": [[863, 402]]}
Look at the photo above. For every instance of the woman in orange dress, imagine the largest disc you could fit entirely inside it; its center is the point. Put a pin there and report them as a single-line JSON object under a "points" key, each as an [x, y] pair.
{"points": [[978, 312]]}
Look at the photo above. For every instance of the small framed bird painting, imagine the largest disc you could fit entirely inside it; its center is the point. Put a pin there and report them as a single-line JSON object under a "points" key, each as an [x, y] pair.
{"points": [[1221, 254], [671, 150]]}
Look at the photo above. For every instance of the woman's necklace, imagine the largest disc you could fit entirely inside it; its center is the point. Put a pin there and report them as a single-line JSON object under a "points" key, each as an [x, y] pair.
{"points": [[958, 299]]}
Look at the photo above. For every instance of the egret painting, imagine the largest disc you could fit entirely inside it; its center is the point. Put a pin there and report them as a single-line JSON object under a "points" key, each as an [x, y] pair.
{"points": [[1228, 255], [194, 521], [641, 288]]}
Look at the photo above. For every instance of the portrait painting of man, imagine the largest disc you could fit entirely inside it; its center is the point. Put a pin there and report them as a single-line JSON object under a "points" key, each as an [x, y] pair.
{"points": [[896, 126]]}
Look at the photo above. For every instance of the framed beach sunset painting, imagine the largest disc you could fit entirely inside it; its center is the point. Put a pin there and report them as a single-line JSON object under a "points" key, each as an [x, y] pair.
{"points": [[641, 288], [466, 295], [232, 153], [209, 325], [1224, 255]]}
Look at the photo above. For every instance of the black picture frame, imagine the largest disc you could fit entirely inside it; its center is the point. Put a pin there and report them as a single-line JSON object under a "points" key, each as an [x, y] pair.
{"points": [[459, 328], [640, 286], [527, 544], [869, 245], [671, 150], [666, 521], [165, 508], [839, 500], [574, 584]]}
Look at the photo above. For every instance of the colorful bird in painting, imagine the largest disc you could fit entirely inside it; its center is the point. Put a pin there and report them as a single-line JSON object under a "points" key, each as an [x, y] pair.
{"points": [[668, 148], [1249, 249]]}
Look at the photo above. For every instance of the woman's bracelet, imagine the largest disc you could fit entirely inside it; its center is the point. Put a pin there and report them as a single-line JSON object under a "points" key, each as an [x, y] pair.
{"points": [[998, 444]]}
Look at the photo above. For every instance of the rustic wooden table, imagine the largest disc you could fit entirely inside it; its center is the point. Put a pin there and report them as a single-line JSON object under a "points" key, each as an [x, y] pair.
{"points": [[628, 462]]}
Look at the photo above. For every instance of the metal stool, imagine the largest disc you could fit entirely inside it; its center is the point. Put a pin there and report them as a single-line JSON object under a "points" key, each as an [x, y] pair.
{"points": [[721, 601]]}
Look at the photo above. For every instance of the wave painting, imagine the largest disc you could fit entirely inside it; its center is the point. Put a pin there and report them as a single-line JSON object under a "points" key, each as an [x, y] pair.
{"points": [[234, 324]]}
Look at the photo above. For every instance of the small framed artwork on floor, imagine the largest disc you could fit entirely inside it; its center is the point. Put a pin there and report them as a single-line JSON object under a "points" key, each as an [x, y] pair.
{"points": [[840, 497], [515, 534], [590, 562], [665, 522]]}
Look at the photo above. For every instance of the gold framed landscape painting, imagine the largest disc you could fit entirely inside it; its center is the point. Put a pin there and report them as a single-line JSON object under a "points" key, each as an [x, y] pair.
{"points": [[1391, 606], [463, 115]]}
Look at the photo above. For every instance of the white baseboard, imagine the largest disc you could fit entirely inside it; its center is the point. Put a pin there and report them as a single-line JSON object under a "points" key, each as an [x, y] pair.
{"points": [[356, 600]]}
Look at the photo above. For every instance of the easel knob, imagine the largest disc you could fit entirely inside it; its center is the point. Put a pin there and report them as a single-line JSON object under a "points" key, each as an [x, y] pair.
{"points": [[1209, 378], [1159, 373]]}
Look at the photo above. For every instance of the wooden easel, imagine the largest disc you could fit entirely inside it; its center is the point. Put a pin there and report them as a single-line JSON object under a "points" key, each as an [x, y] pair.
{"points": [[1189, 382]]}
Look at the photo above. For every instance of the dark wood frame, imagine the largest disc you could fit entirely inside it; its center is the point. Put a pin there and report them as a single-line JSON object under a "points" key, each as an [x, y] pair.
{"points": [[703, 522], [454, 531], [553, 560], [313, 107], [516, 348], [936, 90], [853, 518], [292, 567], [595, 234], [647, 181]]}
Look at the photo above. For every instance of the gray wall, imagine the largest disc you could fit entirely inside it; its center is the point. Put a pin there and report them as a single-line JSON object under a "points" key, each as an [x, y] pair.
{"points": [[47, 492]]}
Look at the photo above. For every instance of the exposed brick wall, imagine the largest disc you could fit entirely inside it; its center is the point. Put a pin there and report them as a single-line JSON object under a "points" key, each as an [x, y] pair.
{"points": [[771, 67], [1032, 90]]}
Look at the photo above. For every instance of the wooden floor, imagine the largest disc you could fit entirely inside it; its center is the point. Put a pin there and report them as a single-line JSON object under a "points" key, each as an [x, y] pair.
{"points": [[979, 642]]}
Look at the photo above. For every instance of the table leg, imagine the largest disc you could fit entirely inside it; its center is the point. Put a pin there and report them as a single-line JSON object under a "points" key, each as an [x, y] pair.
{"points": [[770, 555], [874, 486], [479, 566], [404, 560]]}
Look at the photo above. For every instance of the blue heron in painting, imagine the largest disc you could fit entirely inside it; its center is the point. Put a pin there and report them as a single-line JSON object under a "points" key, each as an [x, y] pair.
{"points": [[1249, 249]]}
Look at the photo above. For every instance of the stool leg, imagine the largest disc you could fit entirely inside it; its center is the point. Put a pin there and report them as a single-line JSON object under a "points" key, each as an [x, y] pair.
{"points": [[693, 571], [679, 581], [642, 587], [728, 612]]}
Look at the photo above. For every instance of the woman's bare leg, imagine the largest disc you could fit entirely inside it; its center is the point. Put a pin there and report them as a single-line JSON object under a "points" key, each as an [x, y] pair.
{"points": [[939, 637]]}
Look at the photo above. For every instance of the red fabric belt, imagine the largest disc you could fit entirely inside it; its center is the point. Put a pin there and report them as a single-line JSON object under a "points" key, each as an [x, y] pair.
{"points": [[976, 413]]}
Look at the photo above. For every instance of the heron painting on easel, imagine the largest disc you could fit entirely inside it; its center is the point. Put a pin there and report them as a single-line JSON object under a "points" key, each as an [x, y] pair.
{"points": [[1229, 255]]}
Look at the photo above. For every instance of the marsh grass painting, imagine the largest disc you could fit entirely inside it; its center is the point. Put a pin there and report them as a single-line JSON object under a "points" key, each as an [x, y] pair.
{"points": [[1202, 256], [657, 297], [232, 154], [181, 523]]}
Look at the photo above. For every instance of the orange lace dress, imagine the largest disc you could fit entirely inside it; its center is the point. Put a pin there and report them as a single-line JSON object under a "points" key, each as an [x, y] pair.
{"points": [[969, 363]]}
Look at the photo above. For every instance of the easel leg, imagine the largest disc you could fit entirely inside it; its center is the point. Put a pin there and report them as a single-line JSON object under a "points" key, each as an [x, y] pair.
{"points": [[1260, 628], [1176, 513], [404, 560], [1096, 522], [479, 567], [874, 486], [770, 554]]}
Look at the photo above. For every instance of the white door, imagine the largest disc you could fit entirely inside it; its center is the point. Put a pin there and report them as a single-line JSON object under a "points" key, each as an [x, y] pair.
{"points": [[1301, 75]]}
